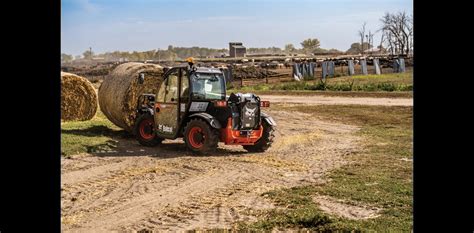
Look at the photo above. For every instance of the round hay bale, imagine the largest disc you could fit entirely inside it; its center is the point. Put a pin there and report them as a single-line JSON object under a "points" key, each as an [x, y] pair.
{"points": [[119, 92], [78, 98]]}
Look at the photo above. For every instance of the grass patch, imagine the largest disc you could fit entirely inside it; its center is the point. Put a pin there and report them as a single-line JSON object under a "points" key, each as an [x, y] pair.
{"points": [[400, 82], [95, 135], [375, 94], [379, 176]]}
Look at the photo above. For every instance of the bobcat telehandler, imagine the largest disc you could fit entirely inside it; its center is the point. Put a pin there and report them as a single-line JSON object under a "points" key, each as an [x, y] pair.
{"points": [[191, 103]]}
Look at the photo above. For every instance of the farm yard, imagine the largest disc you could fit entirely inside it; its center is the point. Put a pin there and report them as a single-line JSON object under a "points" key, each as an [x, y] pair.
{"points": [[341, 160]]}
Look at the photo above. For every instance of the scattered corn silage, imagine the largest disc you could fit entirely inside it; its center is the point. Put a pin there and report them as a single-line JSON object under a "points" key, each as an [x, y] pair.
{"points": [[119, 92], [78, 98], [251, 73]]}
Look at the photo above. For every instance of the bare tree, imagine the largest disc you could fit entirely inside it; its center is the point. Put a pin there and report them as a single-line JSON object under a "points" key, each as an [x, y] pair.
{"points": [[409, 26], [362, 34], [371, 39], [382, 39], [398, 30]]}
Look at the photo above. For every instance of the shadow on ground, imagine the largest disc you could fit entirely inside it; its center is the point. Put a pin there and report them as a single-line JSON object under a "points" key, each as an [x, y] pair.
{"points": [[98, 130], [123, 143], [168, 149]]}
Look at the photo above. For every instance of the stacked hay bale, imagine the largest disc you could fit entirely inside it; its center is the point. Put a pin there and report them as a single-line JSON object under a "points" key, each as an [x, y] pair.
{"points": [[78, 98], [119, 92]]}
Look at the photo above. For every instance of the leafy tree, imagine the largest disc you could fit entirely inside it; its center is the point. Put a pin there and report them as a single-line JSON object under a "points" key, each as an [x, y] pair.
{"points": [[88, 54], [66, 57], [290, 48], [309, 45]]}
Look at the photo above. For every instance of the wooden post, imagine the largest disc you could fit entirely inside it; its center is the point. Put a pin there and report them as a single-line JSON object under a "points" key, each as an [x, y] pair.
{"points": [[266, 77]]}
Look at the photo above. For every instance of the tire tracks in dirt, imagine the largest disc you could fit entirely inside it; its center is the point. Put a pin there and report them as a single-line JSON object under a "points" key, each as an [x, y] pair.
{"points": [[166, 188]]}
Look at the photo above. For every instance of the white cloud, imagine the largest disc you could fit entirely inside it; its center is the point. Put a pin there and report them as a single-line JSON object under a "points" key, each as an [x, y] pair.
{"points": [[87, 6]]}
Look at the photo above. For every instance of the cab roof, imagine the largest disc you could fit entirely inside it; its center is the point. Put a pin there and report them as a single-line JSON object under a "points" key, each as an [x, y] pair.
{"points": [[208, 70], [201, 69]]}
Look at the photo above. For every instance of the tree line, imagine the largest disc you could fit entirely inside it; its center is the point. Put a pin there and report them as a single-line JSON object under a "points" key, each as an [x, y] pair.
{"points": [[309, 46], [396, 37]]}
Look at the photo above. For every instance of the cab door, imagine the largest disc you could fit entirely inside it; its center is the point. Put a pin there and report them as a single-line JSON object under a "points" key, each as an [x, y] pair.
{"points": [[167, 105]]}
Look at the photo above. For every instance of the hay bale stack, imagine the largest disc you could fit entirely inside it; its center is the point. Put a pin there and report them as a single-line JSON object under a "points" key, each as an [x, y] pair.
{"points": [[78, 98], [119, 92]]}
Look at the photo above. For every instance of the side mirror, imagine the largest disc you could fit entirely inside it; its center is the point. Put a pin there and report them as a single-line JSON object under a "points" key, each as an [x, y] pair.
{"points": [[165, 69], [141, 78]]}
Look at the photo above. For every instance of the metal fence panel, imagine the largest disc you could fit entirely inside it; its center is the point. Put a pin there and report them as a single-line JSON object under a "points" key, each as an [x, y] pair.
{"points": [[331, 68], [350, 63], [402, 65], [363, 65], [324, 66], [377, 66], [296, 72]]}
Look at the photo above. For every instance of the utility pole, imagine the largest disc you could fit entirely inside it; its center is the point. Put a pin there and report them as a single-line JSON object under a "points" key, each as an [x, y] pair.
{"points": [[90, 52]]}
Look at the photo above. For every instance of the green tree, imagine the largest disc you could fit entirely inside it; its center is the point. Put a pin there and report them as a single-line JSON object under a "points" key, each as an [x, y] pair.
{"points": [[309, 45], [66, 57], [88, 54], [289, 48]]}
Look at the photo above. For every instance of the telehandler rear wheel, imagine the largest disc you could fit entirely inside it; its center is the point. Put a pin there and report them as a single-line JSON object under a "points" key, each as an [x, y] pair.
{"points": [[144, 131]]}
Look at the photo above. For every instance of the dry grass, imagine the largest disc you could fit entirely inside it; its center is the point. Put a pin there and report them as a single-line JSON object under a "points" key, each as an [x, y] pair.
{"points": [[393, 82], [379, 176]]}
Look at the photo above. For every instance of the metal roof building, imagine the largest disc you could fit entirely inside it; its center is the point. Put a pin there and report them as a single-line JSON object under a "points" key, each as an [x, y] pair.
{"points": [[236, 49]]}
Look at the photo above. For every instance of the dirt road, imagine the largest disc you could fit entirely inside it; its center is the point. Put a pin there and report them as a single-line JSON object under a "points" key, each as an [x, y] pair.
{"points": [[333, 100], [167, 188]]}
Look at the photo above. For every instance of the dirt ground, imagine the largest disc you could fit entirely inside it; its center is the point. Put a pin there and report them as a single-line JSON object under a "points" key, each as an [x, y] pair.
{"points": [[167, 188], [334, 100]]}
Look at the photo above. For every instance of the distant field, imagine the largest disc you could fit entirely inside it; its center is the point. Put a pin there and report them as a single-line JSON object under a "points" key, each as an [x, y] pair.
{"points": [[394, 82]]}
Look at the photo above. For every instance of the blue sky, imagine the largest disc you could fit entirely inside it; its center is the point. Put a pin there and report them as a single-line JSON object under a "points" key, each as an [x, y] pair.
{"points": [[139, 25]]}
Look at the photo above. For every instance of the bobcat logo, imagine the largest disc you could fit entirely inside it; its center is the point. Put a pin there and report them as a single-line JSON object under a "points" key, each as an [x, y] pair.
{"points": [[250, 112]]}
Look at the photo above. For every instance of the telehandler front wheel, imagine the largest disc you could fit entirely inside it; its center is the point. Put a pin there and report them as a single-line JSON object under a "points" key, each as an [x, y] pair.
{"points": [[265, 141], [145, 131], [200, 137]]}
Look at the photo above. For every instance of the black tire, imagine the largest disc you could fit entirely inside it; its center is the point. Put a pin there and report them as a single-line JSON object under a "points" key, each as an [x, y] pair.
{"points": [[200, 137], [144, 131], [265, 141]]}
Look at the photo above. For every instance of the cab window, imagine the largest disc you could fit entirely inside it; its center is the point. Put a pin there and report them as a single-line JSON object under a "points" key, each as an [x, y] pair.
{"points": [[169, 89], [208, 86], [184, 87], [171, 94]]}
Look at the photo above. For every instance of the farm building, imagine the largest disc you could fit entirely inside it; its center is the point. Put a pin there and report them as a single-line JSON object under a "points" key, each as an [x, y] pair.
{"points": [[236, 49]]}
